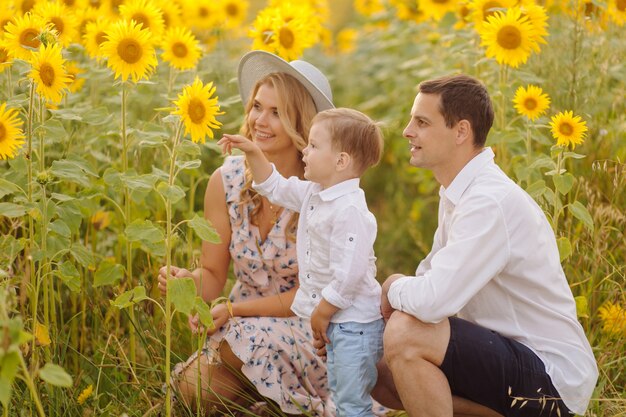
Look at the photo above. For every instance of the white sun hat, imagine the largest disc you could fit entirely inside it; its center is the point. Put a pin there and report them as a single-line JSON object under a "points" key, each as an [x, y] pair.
{"points": [[257, 64]]}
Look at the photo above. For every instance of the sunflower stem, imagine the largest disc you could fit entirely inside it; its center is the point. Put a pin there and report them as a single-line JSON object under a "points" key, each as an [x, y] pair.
{"points": [[168, 266], [129, 264], [557, 211]]}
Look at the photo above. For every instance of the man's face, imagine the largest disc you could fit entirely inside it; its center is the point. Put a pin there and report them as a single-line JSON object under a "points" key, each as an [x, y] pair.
{"points": [[431, 142]]}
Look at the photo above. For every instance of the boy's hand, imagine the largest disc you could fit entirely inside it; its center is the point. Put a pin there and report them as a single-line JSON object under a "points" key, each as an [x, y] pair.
{"points": [[320, 318], [228, 142]]}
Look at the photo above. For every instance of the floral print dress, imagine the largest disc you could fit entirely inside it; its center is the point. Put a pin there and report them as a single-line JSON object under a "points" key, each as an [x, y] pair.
{"points": [[277, 352]]}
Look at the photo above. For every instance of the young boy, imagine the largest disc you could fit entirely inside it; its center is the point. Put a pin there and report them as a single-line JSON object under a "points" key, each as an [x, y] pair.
{"points": [[335, 238]]}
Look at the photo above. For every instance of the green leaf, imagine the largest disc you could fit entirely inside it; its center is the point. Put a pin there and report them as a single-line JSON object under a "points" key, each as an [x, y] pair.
{"points": [[174, 193], [144, 231], [112, 178], [187, 147], [10, 247], [73, 171], [580, 212], [130, 297], [70, 276], [58, 226], [582, 307], [182, 294], [55, 375], [565, 248], [7, 187], [204, 312], [83, 256], [573, 155], [71, 215], [5, 391], [12, 210], [66, 114], [9, 365], [98, 116], [537, 189], [193, 164], [204, 230], [563, 183], [139, 182], [108, 273]]}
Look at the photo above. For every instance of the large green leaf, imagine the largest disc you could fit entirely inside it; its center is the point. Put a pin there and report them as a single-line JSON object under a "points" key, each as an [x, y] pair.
{"points": [[55, 375], [204, 230], [564, 182], [7, 187], [73, 171], [144, 231], [58, 226], [174, 193], [581, 213], [70, 276], [83, 256], [97, 116], [5, 391], [139, 182], [193, 164], [565, 247], [108, 273], [182, 294], [12, 210], [130, 297], [204, 312], [10, 363]]}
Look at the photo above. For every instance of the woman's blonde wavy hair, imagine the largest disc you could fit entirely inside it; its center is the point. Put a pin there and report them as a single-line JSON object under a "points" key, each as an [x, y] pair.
{"points": [[296, 110]]}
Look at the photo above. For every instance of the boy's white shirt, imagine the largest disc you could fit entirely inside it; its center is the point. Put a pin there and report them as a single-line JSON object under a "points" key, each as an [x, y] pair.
{"points": [[334, 244]]}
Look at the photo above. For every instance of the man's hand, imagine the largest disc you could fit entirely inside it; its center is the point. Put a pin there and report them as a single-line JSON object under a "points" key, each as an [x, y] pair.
{"points": [[385, 307], [320, 318]]}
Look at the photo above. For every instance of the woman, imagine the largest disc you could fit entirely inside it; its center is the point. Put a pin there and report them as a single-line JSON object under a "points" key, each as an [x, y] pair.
{"points": [[264, 349]]}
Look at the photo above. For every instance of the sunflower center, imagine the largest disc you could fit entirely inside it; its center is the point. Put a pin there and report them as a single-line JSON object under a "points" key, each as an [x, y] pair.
{"points": [[4, 56], [232, 10], [28, 38], [441, 1], [166, 20], [95, 3], [46, 72], [590, 9], [58, 24], [69, 3], [285, 37], [141, 18], [621, 5], [3, 132], [203, 12], [101, 37], [129, 50], [509, 37], [566, 129], [180, 50], [489, 8], [27, 5], [196, 111], [530, 103]]}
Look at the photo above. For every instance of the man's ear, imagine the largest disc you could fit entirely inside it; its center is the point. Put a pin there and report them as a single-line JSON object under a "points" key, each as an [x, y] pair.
{"points": [[343, 161], [463, 132]]}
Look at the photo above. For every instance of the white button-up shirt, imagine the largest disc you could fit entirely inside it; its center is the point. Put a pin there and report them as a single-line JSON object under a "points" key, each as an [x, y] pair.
{"points": [[495, 262], [335, 246]]}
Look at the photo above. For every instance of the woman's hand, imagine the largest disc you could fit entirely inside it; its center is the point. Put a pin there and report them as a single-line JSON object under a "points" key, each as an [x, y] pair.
{"points": [[175, 272], [220, 315]]}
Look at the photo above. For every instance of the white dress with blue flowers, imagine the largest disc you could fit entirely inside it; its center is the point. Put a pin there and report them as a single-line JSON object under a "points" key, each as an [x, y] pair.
{"points": [[277, 352]]}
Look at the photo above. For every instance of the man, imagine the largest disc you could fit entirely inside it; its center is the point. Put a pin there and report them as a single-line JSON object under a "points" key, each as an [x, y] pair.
{"points": [[487, 326]]}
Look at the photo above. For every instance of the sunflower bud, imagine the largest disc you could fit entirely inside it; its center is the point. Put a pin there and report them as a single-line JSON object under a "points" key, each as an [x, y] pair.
{"points": [[44, 177], [48, 37]]}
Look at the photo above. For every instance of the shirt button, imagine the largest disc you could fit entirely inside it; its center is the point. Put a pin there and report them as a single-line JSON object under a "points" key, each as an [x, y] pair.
{"points": [[308, 276], [351, 239], [311, 207], [314, 295]]}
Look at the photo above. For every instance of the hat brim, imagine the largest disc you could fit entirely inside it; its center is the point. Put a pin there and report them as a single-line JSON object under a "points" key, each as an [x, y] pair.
{"points": [[257, 64]]}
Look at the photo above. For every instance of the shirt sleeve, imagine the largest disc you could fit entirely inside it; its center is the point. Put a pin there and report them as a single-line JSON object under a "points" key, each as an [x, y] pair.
{"points": [[286, 192], [476, 251], [352, 258]]}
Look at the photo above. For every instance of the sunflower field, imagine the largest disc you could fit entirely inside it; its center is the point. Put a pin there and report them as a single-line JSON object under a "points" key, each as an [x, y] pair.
{"points": [[108, 111]]}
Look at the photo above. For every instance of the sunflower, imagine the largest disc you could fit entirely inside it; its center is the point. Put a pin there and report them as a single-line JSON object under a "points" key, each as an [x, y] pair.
{"points": [[262, 32], [48, 72], [202, 14], [129, 50], [346, 40], [21, 35], [180, 48], [171, 12], [482, 9], [291, 38], [531, 102], [567, 129], [463, 14], [617, 11], [23, 6], [85, 394], [369, 7], [409, 10], [437, 9], [509, 37], [95, 36], [11, 134], [73, 70], [146, 13], [6, 15], [5, 59], [538, 18], [235, 12], [60, 19], [613, 318], [198, 110]]}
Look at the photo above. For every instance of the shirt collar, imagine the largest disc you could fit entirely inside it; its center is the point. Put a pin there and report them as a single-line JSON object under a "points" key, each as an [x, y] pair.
{"points": [[465, 177], [338, 190]]}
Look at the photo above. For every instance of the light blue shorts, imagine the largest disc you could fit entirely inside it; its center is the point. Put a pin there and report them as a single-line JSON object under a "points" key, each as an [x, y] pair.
{"points": [[352, 356]]}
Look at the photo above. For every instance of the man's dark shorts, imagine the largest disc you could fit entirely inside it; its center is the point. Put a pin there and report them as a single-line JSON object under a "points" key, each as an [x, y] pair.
{"points": [[489, 369]]}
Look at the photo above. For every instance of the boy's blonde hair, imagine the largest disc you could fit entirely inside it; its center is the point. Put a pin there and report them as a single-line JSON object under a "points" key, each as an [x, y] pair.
{"points": [[354, 133]]}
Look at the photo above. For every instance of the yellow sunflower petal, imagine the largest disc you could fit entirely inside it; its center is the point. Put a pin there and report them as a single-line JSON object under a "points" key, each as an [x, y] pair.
{"points": [[11, 134], [567, 129], [198, 110]]}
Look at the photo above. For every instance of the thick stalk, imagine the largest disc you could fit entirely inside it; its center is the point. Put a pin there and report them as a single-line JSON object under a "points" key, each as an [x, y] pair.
{"points": [[129, 263], [168, 266], [557, 211], [31, 387]]}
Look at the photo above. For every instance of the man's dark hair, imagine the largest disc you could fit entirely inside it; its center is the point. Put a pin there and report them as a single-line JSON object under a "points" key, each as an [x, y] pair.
{"points": [[463, 97]]}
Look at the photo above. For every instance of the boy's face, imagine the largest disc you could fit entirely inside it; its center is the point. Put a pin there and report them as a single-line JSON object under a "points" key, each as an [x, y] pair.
{"points": [[320, 159]]}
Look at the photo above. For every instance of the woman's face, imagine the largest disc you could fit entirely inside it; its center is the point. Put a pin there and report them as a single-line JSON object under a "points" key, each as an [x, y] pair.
{"points": [[265, 126]]}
